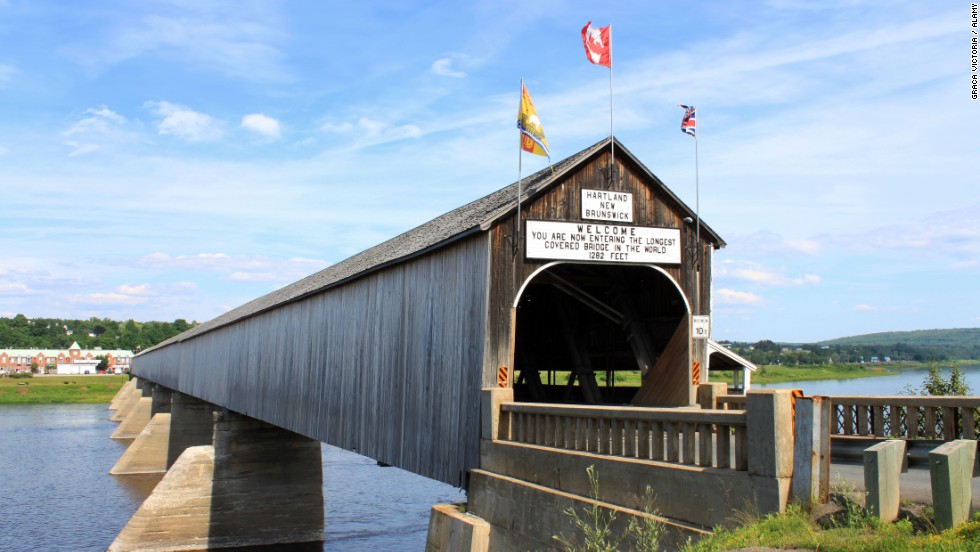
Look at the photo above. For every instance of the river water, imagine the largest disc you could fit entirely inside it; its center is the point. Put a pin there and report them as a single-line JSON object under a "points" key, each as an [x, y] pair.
{"points": [[883, 385], [56, 494]]}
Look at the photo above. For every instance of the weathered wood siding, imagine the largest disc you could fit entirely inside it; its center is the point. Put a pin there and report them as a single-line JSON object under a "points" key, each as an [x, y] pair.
{"points": [[563, 203], [388, 365]]}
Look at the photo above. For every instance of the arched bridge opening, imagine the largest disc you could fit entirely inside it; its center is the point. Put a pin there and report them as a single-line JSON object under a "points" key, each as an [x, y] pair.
{"points": [[602, 334]]}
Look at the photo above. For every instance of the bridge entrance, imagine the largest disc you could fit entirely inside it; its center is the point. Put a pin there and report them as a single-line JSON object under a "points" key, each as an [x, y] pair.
{"points": [[602, 334]]}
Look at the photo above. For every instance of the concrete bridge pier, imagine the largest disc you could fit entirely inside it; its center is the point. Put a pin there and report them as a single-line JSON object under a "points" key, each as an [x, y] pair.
{"points": [[137, 416], [127, 400], [191, 425], [257, 485], [121, 395], [150, 451]]}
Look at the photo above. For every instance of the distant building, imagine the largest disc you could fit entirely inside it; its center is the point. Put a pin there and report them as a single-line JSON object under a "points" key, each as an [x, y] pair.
{"points": [[75, 360]]}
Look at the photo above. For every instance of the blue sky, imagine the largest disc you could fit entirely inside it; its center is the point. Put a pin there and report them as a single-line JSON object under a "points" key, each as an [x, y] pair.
{"points": [[175, 159]]}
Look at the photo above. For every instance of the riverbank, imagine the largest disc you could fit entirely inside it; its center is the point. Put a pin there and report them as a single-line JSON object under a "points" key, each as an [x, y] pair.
{"points": [[88, 389], [781, 374]]}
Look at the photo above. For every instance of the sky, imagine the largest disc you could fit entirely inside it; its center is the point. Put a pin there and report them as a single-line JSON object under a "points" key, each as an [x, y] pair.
{"points": [[175, 159]]}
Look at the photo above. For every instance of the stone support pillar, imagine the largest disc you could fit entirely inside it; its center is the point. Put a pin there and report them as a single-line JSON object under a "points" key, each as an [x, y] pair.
{"points": [[258, 485], [148, 452], [191, 425], [126, 404], [161, 400], [135, 421], [121, 395]]}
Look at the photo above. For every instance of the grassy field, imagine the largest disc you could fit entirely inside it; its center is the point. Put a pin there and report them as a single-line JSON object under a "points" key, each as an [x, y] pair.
{"points": [[60, 389]]}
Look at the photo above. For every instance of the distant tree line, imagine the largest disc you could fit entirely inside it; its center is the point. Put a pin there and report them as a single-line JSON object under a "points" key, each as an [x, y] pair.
{"points": [[59, 333], [769, 352]]}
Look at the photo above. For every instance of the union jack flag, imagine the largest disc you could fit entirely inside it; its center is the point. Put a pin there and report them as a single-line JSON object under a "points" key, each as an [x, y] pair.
{"points": [[688, 125]]}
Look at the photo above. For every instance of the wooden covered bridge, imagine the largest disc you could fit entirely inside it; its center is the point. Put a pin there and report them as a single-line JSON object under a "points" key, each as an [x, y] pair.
{"points": [[592, 275]]}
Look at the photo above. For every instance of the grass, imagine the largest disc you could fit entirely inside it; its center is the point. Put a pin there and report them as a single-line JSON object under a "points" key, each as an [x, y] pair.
{"points": [[765, 374], [60, 389], [779, 374], [795, 529]]}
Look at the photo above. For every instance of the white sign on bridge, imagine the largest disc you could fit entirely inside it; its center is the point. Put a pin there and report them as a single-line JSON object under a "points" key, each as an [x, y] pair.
{"points": [[700, 327], [602, 242], [607, 205]]}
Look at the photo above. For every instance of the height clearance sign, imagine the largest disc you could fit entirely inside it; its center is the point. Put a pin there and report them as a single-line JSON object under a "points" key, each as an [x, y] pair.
{"points": [[578, 241]]}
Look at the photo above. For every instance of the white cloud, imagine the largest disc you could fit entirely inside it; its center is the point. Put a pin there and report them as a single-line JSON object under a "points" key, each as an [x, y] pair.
{"points": [[99, 120], [14, 289], [372, 132], [339, 128], [185, 123], [79, 148], [142, 289], [864, 307], [444, 67], [237, 39], [4, 151], [108, 299], [262, 124], [757, 274], [732, 297]]}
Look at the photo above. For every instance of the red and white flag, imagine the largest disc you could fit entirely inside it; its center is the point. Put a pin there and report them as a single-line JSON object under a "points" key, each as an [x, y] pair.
{"points": [[598, 44]]}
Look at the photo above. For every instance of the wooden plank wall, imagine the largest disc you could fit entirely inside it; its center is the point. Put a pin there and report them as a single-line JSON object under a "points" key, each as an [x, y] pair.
{"points": [[563, 203], [388, 366]]}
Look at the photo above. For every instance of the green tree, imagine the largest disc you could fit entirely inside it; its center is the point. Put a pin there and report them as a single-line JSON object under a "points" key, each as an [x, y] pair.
{"points": [[936, 383]]}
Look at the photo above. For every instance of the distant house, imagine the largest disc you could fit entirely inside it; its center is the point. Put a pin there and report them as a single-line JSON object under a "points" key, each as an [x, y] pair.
{"points": [[74, 360]]}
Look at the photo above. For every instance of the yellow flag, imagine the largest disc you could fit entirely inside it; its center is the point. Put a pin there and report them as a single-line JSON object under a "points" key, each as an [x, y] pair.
{"points": [[532, 135]]}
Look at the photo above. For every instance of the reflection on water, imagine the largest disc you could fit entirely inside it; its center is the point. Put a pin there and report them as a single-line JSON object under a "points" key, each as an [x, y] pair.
{"points": [[56, 494], [883, 385]]}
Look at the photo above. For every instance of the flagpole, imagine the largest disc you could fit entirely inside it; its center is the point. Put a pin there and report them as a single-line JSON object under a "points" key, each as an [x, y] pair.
{"points": [[520, 159], [697, 228], [612, 143]]}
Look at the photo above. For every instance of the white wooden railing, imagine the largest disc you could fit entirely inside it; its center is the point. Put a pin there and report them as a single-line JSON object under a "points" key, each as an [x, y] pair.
{"points": [[709, 438]]}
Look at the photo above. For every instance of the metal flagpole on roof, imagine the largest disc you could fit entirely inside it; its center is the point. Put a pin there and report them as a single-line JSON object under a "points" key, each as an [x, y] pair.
{"points": [[612, 141], [520, 159], [697, 228]]}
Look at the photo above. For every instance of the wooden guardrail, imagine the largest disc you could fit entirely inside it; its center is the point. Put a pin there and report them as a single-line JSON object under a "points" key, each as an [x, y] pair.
{"points": [[693, 437], [731, 402], [906, 417]]}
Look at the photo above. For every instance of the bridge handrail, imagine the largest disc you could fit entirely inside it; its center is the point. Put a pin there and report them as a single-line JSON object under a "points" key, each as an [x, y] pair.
{"points": [[731, 402], [707, 438], [906, 416]]}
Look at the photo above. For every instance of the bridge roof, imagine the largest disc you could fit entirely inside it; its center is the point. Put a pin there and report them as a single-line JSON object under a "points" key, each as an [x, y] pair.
{"points": [[479, 215]]}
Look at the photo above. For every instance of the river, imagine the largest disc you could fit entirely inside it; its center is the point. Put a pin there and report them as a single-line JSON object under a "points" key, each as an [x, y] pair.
{"points": [[56, 494], [882, 385]]}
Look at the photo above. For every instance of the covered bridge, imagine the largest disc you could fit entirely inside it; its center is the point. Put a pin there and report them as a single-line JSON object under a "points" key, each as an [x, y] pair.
{"points": [[385, 353]]}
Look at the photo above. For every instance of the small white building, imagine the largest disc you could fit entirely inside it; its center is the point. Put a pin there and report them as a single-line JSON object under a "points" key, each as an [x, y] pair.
{"points": [[78, 367]]}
